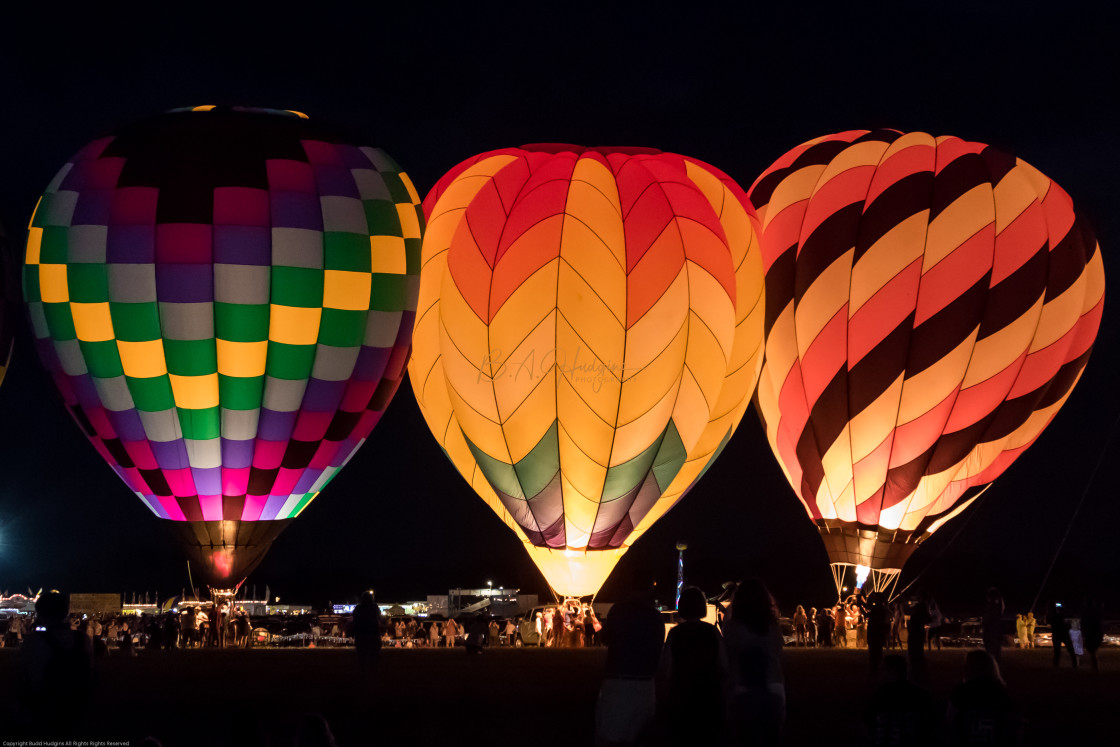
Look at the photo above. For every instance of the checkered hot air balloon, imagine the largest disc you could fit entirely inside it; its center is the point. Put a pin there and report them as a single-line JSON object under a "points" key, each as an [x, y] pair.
{"points": [[225, 298], [930, 304], [589, 333]]}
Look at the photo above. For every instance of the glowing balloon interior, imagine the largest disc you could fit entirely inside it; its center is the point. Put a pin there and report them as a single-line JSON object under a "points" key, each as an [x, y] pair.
{"points": [[225, 299], [588, 337], [930, 305]]}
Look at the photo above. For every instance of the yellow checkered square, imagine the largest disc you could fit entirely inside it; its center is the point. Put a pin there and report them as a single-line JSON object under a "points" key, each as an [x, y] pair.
{"points": [[346, 290], [92, 321], [388, 255], [34, 242], [142, 360], [53, 286], [294, 325], [241, 359], [410, 222], [195, 392]]}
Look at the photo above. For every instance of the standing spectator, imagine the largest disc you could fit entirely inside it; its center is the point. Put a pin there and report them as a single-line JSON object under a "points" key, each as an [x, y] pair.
{"points": [[1021, 630], [811, 627], [800, 622], [510, 631], [693, 675], [542, 631], [549, 618], [591, 627], [476, 634], [634, 634], [1092, 629], [839, 629], [878, 628], [366, 630], [1059, 633], [980, 709], [916, 637], [936, 620], [450, 631], [900, 712], [1031, 623], [824, 628], [171, 630], [898, 618], [56, 671], [433, 634], [493, 633], [757, 705], [992, 623]]}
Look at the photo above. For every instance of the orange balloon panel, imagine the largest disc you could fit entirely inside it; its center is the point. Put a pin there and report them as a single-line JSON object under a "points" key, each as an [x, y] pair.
{"points": [[931, 303], [588, 336]]}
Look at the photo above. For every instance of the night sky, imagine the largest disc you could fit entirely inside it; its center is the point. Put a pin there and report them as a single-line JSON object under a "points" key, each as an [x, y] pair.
{"points": [[434, 87]]}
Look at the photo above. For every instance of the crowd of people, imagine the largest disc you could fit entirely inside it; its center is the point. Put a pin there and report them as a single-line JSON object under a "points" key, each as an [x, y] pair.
{"points": [[724, 683]]}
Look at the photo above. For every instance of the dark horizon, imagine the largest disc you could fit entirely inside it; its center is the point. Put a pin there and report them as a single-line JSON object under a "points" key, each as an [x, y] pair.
{"points": [[735, 89]]}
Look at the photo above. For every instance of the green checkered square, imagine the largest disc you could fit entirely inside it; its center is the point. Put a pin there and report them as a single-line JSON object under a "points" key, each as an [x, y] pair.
{"points": [[382, 218], [241, 322], [191, 357], [237, 393], [152, 394], [60, 321], [388, 292], [102, 358], [88, 283], [297, 286], [134, 322], [346, 251], [201, 425], [342, 328], [289, 361]]}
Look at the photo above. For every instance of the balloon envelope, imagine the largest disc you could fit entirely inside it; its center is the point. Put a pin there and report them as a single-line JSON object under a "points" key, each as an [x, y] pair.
{"points": [[225, 298], [931, 303], [587, 339]]}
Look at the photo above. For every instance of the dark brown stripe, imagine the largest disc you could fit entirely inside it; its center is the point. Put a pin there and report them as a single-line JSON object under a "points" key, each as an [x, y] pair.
{"points": [[779, 286], [190, 507], [881, 135], [1068, 258], [827, 419], [964, 173], [869, 378], [1015, 294], [827, 242], [1063, 381], [819, 154], [951, 448], [946, 329], [1011, 414], [908, 196], [902, 480], [624, 530], [999, 163]]}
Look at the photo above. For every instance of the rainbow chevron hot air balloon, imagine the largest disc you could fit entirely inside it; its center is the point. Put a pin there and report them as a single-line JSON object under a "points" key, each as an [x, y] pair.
{"points": [[588, 336], [225, 299], [931, 303]]}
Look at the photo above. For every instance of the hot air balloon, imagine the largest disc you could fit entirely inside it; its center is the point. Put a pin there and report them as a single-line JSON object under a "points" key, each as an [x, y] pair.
{"points": [[225, 298], [930, 304], [588, 336]]}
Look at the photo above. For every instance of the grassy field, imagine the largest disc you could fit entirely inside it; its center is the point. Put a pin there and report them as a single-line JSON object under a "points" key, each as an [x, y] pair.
{"points": [[505, 696]]}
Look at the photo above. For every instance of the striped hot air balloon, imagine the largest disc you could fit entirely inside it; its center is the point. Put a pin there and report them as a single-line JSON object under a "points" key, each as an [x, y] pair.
{"points": [[930, 304], [588, 336], [225, 299]]}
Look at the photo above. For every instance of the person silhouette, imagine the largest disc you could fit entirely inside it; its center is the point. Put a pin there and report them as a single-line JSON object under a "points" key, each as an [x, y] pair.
{"points": [[366, 631], [634, 634], [900, 713], [56, 666], [757, 704], [693, 675]]}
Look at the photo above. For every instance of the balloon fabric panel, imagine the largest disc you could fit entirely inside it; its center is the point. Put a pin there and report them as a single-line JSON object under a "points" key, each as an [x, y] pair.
{"points": [[580, 343], [930, 304], [224, 298]]}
